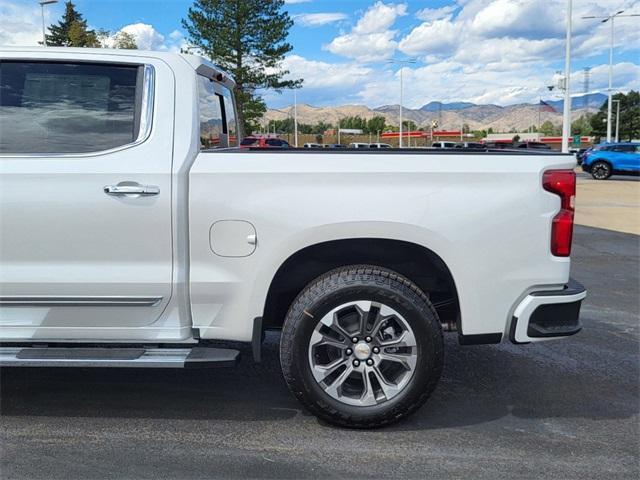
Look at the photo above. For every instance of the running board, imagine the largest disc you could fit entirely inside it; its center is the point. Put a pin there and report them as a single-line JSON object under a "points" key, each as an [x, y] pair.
{"points": [[197, 357]]}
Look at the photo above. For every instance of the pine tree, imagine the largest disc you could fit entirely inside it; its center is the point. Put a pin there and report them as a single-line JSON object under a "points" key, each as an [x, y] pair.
{"points": [[247, 38], [72, 30]]}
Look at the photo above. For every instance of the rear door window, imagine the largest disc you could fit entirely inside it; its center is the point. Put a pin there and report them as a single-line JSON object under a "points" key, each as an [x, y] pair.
{"points": [[230, 118], [58, 108], [210, 107]]}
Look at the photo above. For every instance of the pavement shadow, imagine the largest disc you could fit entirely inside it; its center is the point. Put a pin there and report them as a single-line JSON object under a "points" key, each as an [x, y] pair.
{"points": [[480, 384]]}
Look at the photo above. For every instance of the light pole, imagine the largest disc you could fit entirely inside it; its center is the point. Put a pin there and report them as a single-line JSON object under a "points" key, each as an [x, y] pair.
{"points": [[42, 4], [401, 63], [617, 119], [295, 118], [609, 99], [566, 111]]}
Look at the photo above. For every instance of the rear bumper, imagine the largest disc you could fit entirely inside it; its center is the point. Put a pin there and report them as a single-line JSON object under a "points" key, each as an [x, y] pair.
{"points": [[548, 314]]}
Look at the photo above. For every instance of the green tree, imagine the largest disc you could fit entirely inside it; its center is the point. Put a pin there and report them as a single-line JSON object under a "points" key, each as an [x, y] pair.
{"points": [[247, 38], [479, 133], [125, 41], [356, 122], [549, 129], [376, 124], [581, 125], [72, 30], [409, 125], [322, 127], [629, 117]]}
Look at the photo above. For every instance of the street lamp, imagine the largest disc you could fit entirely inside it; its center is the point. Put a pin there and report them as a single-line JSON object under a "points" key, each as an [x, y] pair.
{"points": [[401, 63], [617, 119], [609, 99], [566, 112], [295, 117], [42, 4]]}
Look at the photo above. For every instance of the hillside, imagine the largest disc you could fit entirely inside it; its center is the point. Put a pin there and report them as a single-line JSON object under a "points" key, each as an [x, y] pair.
{"points": [[451, 116]]}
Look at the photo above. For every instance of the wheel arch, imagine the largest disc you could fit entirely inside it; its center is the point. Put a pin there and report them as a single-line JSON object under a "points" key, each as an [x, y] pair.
{"points": [[416, 262], [608, 161]]}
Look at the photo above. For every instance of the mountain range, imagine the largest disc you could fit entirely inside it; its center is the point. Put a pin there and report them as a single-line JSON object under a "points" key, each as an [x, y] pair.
{"points": [[450, 116]]}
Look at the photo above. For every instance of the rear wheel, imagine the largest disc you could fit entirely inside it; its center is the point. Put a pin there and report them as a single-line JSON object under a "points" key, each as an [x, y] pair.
{"points": [[600, 170], [362, 347]]}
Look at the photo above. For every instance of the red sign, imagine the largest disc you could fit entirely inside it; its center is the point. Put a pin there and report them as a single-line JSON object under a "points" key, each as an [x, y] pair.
{"points": [[422, 134]]}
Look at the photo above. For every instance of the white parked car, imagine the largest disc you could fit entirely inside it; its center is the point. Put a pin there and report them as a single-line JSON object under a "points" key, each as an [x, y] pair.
{"points": [[379, 145], [134, 230], [443, 145], [359, 145]]}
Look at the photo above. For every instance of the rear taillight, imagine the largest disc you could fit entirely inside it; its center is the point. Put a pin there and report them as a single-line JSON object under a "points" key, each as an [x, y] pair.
{"points": [[563, 184]]}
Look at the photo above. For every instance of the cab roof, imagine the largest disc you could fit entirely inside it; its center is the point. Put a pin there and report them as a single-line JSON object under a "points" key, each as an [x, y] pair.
{"points": [[201, 65]]}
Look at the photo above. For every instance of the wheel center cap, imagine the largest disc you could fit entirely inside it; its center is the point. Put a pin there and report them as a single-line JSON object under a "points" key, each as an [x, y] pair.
{"points": [[362, 351]]}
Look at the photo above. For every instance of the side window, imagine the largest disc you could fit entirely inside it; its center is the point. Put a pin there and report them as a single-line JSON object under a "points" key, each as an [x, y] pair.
{"points": [[210, 107], [230, 118], [57, 108]]}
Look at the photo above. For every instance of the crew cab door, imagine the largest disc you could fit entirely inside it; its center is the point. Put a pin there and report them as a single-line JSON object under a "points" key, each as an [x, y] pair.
{"points": [[85, 196]]}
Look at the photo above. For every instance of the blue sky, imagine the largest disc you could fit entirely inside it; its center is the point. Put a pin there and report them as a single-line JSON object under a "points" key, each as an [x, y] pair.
{"points": [[484, 51]]}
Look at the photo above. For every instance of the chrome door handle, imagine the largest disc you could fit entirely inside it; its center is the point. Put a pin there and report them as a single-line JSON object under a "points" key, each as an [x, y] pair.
{"points": [[145, 190]]}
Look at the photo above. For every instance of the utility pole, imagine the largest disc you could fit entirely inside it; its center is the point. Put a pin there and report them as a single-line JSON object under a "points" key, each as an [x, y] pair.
{"points": [[617, 120], [42, 4], [609, 93], [295, 118], [401, 63], [566, 112], [585, 88]]}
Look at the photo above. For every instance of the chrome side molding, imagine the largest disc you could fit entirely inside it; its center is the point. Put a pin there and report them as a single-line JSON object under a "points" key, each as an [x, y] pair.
{"points": [[102, 301]]}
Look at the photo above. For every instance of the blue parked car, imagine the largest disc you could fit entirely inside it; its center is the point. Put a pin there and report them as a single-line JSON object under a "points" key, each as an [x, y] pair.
{"points": [[602, 161]]}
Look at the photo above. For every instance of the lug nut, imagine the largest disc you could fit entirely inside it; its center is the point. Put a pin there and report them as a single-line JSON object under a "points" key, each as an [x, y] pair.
{"points": [[368, 339], [370, 362], [376, 350], [349, 351], [354, 339], [356, 363]]}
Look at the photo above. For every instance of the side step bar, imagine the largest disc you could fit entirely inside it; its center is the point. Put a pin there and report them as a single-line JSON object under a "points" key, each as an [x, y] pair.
{"points": [[198, 357]]}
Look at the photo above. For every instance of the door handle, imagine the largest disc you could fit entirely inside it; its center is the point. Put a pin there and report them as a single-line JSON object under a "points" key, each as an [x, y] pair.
{"points": [[145, 190]]}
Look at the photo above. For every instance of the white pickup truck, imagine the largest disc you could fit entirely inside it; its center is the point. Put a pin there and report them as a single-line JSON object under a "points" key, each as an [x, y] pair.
{"points": [[134, 233]]}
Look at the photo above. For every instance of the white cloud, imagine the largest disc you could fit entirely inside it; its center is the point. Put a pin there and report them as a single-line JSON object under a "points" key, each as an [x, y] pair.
{"points": [[148, 38], [379, 17], [431, 14], [516, 30], [520, 19], [325, 75], [625, 77], [317, 19], [437, 37], [371, 40], [21, 24]]}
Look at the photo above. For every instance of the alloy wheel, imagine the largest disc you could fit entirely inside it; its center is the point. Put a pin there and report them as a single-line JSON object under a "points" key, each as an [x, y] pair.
{"points": [[363, 353]]}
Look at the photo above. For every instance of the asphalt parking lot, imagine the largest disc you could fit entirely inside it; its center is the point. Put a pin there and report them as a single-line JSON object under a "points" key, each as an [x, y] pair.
{"points": [[562, 409]]}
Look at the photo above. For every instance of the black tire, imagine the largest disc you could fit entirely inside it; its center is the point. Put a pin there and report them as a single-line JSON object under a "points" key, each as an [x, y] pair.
{"points": [[361, 282], [601, 170]]}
